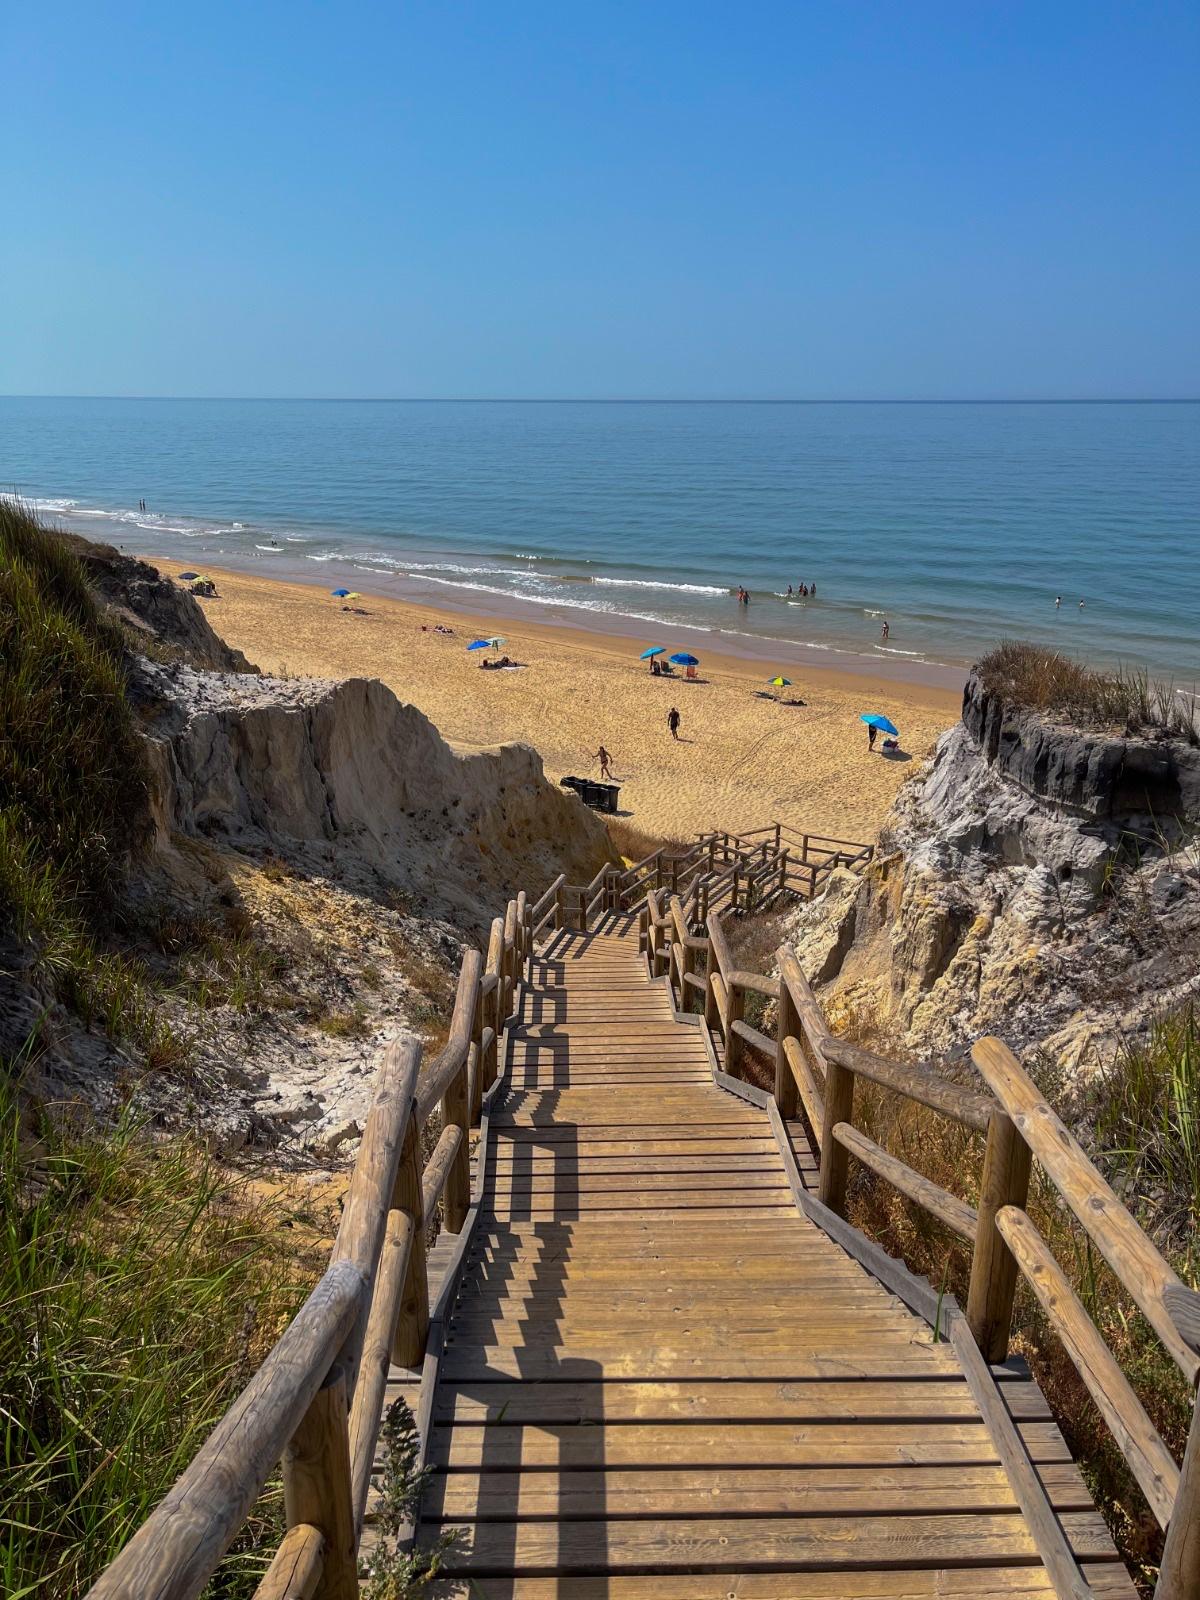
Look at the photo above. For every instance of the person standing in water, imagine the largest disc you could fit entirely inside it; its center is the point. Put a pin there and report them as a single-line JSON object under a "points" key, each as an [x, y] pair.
{"points": [[1057, 601], [673, 722], [886, 629]]}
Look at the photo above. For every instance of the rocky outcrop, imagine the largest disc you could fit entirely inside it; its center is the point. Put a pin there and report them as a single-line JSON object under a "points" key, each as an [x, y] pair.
{"points": [[1138, 785], [160, 617], [362, 789], [1026, 884]]}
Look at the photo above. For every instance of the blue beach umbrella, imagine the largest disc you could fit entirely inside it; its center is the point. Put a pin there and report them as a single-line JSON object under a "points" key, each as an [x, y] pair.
{"points": [[339, 594], [188, 577], [480, 644], [873, 719], [682, 659], [654, 650]]}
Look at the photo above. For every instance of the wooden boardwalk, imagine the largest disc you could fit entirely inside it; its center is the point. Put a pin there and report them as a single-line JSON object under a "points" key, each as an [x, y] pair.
{"points": [[660, 1379]]}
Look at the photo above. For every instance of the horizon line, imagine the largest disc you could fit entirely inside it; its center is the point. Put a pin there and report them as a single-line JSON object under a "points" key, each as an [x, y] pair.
{"points": [[639, 400]]}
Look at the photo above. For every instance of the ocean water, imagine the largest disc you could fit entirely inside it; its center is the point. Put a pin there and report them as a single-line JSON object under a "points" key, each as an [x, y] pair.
{"points": [[958, 523]]}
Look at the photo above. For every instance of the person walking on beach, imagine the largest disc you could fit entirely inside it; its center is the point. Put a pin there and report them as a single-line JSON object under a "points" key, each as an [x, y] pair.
{"points": [[673, 722], [603, 757], [886, 629], [872, 730]]}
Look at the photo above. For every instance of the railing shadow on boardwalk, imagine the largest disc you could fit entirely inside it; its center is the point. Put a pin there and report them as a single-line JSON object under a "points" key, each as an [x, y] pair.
{"points": [[507, 1266]]}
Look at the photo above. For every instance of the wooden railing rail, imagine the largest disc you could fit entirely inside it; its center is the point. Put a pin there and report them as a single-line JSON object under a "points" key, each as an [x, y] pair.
{"points": [[316, 1402], [818, 1071]]}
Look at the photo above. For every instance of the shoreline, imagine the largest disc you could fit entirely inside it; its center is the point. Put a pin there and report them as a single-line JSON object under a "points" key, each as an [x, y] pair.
{"points": [[745, 758], [534, 616]]}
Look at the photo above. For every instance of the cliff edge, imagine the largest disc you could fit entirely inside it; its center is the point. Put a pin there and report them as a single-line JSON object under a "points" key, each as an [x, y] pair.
{"points": [[1036, 879]]}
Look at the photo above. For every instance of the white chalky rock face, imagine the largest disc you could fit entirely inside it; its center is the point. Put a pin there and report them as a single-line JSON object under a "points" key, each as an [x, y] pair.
{"points": [[997, 908], [346, 772]]}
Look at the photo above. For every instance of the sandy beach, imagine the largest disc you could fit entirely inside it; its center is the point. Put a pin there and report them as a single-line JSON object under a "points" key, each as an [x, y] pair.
{"points": [[743, 758]]}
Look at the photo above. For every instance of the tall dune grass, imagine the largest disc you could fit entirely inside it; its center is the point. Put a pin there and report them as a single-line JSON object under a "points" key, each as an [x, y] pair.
{"points": [[139, 1288], [1128, 698]]}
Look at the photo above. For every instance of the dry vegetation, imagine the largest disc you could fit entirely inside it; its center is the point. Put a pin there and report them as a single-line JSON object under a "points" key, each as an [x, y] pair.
{"points": [[1127, 699], [1145, 1117], [635, 844]]}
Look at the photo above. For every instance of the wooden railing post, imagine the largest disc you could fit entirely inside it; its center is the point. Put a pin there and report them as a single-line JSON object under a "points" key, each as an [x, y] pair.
{"points": [[783, 871], [475, 1066], [787, 1026], [560, 906], [1179, 1574], [317, 1486], [735, 1009], [1005, 1182], [508, 966], [521, 935], [456, 1109], [495, 966], [733, 894], [412, 1324], [835, 1158], [711, 1008]]}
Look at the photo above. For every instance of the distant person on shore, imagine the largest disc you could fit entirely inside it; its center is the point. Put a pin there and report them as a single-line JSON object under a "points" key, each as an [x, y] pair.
{"points": [[605, 760], [673, 722], [886, 629]]}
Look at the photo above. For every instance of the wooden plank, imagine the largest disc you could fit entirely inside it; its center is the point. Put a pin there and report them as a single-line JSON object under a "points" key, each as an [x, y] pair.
{"points": [[729, 1400], [813, 1491], [1012, 1445], [731, 1544], [864, 1360], [746, 1445], [1107, 1579]]}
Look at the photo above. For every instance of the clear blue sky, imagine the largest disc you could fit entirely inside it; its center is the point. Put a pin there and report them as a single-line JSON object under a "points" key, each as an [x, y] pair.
{"points": [[643, 199]]}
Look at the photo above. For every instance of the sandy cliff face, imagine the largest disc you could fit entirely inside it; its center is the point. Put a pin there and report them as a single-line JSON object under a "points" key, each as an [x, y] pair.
{"points": [[320, 856], [362, 788], [1032, 881]]}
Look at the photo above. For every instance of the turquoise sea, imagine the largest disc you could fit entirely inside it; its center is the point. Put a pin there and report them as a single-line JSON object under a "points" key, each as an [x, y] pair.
{"points": [[959, 523]]}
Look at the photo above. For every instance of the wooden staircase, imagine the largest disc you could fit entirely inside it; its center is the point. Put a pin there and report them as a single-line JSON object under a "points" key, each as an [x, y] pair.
{"points": [[660, 1378]]}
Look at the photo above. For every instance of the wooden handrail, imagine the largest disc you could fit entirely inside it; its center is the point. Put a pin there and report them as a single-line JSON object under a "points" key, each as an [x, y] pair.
{"points": [[1139, 1267], [959, 1217], [1148, 1458], [915, 1083], [317, 1400]]}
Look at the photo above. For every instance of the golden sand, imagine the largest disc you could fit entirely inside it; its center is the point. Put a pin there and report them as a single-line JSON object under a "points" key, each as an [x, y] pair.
{"points": [[743, 758]]}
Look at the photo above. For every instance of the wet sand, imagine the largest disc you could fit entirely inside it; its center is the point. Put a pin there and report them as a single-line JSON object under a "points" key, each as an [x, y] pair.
{"points": [[744, 758]]}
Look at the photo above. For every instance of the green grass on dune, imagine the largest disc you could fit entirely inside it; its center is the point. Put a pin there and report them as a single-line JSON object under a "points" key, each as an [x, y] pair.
{"points": [[74, 784], [139, 1289]]}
